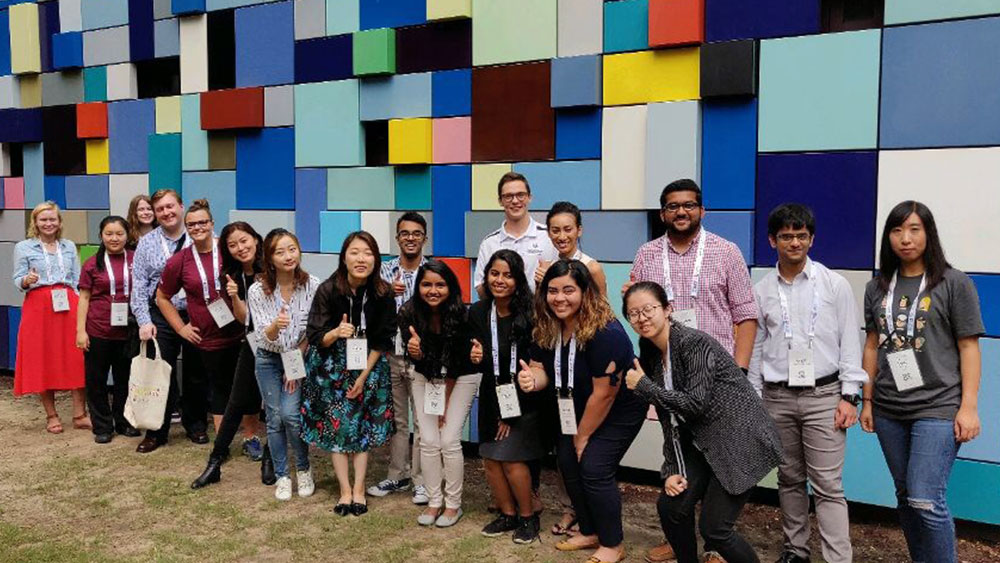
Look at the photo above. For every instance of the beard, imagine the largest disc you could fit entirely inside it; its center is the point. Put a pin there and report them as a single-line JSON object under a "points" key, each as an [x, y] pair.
{"points": [[693, 224]]}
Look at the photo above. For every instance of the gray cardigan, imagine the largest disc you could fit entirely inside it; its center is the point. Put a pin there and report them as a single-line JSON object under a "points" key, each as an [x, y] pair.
{"points": [[715, 402]]}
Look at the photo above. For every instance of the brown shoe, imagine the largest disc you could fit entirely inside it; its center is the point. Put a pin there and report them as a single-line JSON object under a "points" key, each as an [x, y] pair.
{"points": [[713, 557], [661, 554], [149, 444]]}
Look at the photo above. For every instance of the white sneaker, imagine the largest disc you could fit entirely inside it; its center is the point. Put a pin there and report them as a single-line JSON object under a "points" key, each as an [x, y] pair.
{"points": [[283, 489], [420, 495], [306, 483]]}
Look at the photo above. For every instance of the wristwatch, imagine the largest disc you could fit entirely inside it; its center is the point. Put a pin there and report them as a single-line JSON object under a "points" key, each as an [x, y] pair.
{"points": [[853, 399]]}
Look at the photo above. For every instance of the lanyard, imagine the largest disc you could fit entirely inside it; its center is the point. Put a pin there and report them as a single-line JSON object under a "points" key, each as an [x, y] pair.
{"points": [[201, 270], [166, 248], [668, 283], [111, 273], [496, 347], [567, 382], [48, 263], [786, 319], [911, 318], [363, 326]]}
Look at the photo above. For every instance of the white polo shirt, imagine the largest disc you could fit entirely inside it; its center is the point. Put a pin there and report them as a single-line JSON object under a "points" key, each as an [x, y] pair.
{"points": [[533, 245]]}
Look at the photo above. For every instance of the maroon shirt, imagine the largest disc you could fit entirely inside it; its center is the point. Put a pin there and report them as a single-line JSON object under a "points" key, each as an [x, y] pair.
{"points": [[181, 273], [97, 281]]}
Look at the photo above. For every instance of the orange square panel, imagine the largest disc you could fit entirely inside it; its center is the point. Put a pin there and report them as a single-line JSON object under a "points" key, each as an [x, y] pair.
{"points": [[676, 22], [462, 268], [92, 120], [237, 108]]}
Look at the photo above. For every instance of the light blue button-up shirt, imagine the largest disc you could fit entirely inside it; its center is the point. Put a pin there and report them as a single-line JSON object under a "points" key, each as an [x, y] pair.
{"points": [[30, 254]]}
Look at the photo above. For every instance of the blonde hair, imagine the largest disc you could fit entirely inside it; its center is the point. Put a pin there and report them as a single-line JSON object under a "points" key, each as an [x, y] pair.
{"points": [[594, 313], [38, 210]]}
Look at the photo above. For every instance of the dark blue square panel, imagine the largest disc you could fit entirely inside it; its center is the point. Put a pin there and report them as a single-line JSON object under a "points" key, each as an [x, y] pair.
{"points": [[265, 169], [451, 93], [988, 287], [310, 199], [940, 85], [728, 153], [753, 19], [326, 58], [67, 50], [839, 187], [392, 13], [578, 133], [451, 198], [55, 190]]}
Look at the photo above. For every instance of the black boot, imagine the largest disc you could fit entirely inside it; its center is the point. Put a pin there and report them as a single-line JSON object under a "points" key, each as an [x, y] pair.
{"points": [[212, 473], [267, 476]]}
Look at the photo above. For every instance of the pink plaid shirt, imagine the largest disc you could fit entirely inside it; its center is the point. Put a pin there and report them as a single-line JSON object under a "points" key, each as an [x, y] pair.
{"points": [[725, 295]]}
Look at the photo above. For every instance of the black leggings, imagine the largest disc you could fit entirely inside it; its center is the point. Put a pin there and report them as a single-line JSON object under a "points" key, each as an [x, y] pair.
{"points": [[102, 356], [244, 399], [719, 511]]}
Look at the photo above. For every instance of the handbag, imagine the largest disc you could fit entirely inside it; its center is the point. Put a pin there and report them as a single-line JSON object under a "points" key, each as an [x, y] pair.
{"points": [[148, 387]]}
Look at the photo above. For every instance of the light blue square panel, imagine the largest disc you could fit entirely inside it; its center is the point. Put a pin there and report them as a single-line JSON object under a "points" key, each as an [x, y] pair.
{"points": [[219, 187], [327, 129], [578, 181], [360, 188], [576, 81], [910, 11], [334, 226], [405, 95]]}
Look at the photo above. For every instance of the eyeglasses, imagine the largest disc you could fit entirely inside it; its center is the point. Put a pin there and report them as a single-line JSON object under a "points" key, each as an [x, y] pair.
{"points": [[687, 205], [519, 196], [789, 237], [198, 224], [410, 235], [646, 312]]}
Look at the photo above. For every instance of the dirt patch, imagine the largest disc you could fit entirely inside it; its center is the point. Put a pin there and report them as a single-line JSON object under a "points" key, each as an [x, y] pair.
{"points": [[65, 498]]}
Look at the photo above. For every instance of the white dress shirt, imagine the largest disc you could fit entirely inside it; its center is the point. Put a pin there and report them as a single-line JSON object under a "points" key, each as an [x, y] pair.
{"points": [[837, 342]]}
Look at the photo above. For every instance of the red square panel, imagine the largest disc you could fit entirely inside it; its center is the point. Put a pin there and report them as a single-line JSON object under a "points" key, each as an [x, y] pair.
{"points": [[462, 268], [92, 120], [676, 22], [239, 108]]}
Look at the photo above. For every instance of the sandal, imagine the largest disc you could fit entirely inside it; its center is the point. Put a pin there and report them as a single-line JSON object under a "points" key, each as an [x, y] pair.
{"points": [[559, 530], [82, 422], [621, 557], [567, 545], [53, 427]]}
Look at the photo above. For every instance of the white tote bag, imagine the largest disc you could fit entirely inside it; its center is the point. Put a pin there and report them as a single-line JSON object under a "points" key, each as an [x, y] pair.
{"points": [[148, 386]]}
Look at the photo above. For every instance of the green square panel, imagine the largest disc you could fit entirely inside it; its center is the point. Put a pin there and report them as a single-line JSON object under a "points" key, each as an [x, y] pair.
{"points": [[95, 84], [819, 92], [505, 31], [375, 52], [360, 188]]}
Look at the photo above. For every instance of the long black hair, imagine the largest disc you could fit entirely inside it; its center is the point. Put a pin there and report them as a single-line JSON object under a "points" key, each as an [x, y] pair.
{"points": [[935, 263], [521, 303], [230, 265], [100, 229], [374, 285], [454, 315]]}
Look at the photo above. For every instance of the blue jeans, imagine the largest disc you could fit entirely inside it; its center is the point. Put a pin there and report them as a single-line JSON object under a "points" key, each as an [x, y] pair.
{"points": [[283, 416], [920, 454]]}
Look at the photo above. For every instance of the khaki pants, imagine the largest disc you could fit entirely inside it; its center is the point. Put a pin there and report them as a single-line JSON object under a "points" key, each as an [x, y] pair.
{"points": [[441, 446], [404, 460], [812, 449]]}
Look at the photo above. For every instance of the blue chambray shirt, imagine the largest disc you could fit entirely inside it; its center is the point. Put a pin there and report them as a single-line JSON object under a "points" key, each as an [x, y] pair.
{"points": [[30, 254]]}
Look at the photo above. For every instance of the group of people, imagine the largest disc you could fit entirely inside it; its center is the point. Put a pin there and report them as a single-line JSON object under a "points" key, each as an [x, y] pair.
{"points": [[744, 378]]}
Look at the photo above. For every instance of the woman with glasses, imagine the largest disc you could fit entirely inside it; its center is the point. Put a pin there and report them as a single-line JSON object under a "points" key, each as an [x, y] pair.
{"points": [[211, 328], [582, 351], [565, 227], [719, 442], [922, 356]]}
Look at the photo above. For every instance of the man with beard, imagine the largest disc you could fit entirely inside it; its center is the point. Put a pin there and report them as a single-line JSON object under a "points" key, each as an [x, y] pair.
{"points": [[706, 280], [401, 272]]}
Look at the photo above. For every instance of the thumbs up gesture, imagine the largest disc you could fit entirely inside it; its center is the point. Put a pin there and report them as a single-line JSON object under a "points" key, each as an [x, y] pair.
{"points": [[345, 329], [413, 345], [476, 355], [231, 288], [30, 279], [283, 319], [634, 374], [526, 378]]}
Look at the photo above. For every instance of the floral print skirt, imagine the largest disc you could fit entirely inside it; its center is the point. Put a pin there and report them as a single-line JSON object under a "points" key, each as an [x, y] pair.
{"points": [[333, 422]]}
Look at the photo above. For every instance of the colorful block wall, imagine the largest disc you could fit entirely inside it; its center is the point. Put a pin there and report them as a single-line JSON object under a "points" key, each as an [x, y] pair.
{"points": [[326, 116]]}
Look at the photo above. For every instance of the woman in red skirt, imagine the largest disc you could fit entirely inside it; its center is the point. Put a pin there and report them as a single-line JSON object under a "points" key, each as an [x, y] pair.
{"points": [[47, 268]]}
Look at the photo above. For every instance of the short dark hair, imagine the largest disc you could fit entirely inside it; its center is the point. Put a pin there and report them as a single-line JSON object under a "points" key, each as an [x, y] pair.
{"points": [[512, 177], [682, 185], [792, 216], [413, 217], [564, 207]]}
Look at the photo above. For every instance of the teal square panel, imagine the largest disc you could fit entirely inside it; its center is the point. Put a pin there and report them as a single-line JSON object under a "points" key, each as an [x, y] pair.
{"points": [[819, 92], [626, 26], [165, 161], [95, 84], [413, 187], [334, 226], [360, 188], [194, 140], [327, 126]]}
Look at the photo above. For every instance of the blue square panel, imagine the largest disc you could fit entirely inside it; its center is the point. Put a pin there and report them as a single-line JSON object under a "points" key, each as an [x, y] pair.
{"points": [[614, 236], [403, 95], [728, 153], [452, 93], [55, 190], [940, 84], [734, 226], [392, 13], [184, 7], [987, 446], [576, 81], [67, 50], [452, 197], [310, 197], [265, 45], [4, 42], [219, 187], [130, 123], [334, 226], [988, 287], [578, 181], [265, 169], [839, 187], [578, 133], [750, 19], [87, 192]]}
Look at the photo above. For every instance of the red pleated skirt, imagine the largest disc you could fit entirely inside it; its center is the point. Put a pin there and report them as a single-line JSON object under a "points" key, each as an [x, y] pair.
{"points": [[47, 356]]}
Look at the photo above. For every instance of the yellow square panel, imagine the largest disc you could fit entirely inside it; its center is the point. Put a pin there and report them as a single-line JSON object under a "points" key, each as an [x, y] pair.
{"points": [[651, 76], [411, 141], [25, 47], [31, 90], [168, 115], [484, 185], [446, 9], [97, 156]]}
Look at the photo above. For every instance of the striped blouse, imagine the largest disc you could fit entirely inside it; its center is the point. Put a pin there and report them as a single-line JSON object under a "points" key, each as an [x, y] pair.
{"points": [[265, 308]]}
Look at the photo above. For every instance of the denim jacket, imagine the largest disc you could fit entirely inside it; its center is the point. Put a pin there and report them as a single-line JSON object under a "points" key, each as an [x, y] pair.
{"points": [[30, 254]]}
